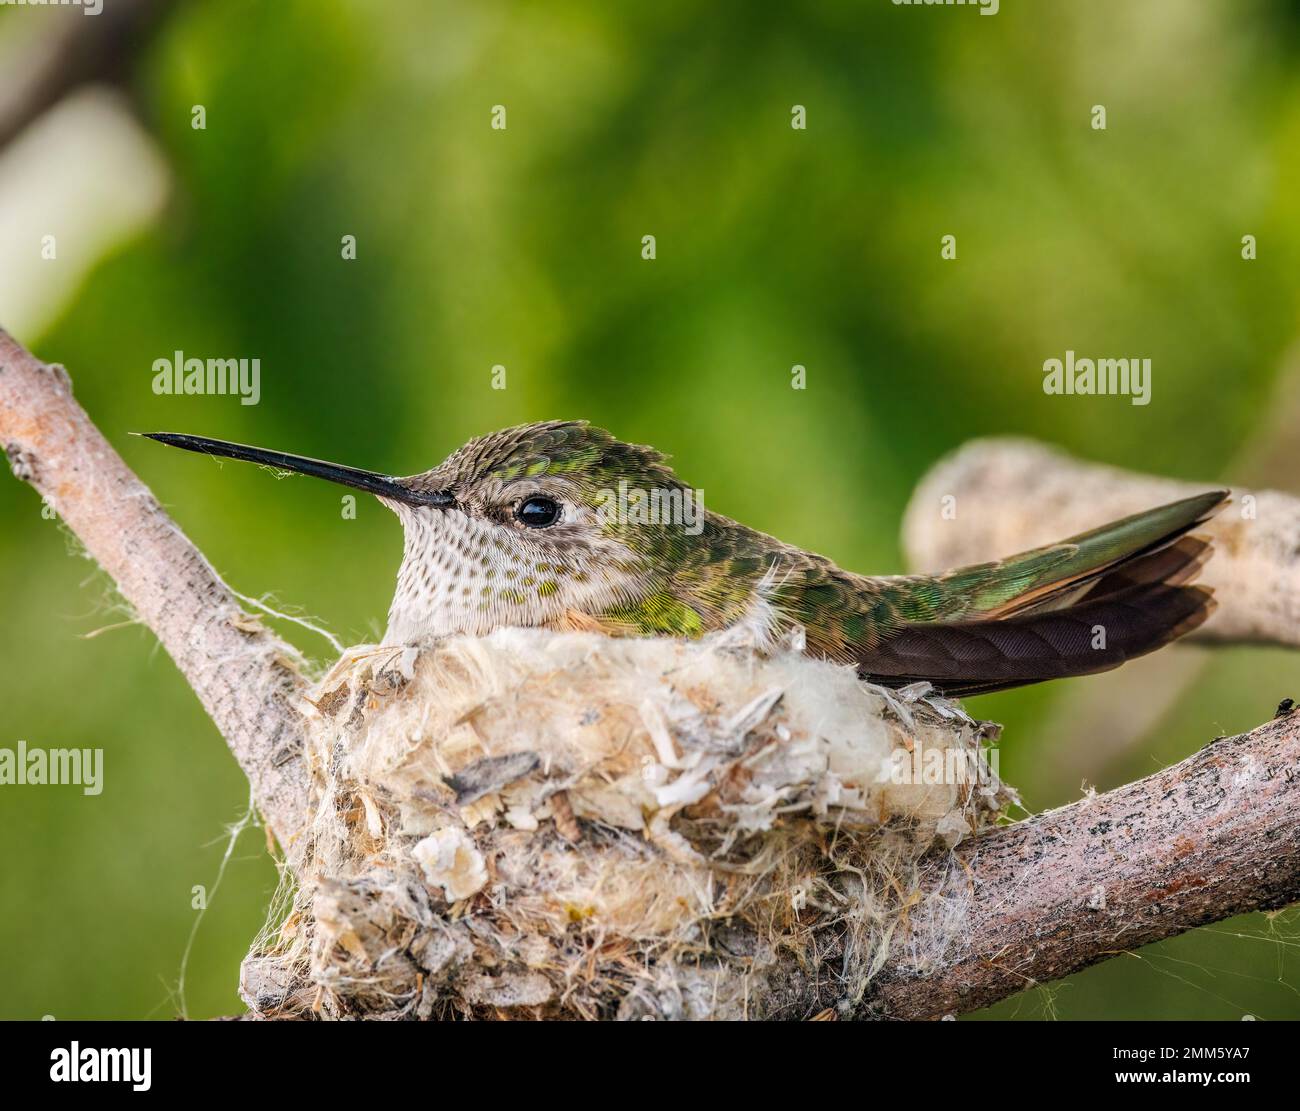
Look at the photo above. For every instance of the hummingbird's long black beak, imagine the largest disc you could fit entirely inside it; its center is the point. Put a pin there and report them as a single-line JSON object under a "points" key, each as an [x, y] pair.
{"points": [[380, 485]]}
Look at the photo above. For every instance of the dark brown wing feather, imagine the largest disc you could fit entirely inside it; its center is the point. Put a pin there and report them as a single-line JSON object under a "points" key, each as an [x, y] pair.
{"points": [[1087, 622], [1088, 637]]}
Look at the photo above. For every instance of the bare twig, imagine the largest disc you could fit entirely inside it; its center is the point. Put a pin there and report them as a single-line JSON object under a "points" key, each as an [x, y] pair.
{"points": [[243, 674], [1213, 836]]}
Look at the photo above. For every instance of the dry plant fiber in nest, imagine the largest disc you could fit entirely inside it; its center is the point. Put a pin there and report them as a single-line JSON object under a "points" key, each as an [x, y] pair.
{"points": [[539, 824]]}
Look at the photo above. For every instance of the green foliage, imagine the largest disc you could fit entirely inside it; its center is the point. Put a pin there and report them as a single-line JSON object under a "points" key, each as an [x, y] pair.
{"points": [[775, 248]]}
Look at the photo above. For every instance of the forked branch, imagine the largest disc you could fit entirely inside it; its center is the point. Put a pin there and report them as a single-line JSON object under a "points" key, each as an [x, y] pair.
{"points": [[1213, 836]]}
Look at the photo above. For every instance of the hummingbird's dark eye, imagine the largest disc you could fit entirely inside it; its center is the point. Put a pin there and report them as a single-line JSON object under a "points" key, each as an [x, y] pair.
{"points": [[538, 512]]}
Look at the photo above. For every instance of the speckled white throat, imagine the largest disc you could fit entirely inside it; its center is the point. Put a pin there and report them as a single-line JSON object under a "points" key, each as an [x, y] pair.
{"points": [[462, 574]]}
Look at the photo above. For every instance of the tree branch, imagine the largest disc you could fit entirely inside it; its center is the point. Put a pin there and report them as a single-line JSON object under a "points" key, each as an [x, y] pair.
{"points": [[1213, 836], [244, 675]]}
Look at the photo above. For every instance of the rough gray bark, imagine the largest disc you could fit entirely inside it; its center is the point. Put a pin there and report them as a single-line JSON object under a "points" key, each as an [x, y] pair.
{"points": [[1213, 836], [243, 674]]}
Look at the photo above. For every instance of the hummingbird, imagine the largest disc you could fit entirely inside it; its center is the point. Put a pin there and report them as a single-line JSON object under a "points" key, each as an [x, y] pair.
{"points": [[515, 529]]}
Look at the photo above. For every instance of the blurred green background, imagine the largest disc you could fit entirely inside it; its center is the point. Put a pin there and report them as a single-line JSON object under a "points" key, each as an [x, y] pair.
{"points": [[522, 247]]}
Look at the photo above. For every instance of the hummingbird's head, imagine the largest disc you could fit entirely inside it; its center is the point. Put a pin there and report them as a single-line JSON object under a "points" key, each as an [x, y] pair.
{"points": [[532, 525], [543, 522]]}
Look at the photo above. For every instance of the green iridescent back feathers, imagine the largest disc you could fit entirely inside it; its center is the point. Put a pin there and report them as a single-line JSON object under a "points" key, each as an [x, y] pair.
{"points": [[1115, 577]]}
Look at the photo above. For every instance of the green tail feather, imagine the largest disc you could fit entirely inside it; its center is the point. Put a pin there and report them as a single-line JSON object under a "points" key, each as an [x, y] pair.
{"points": [[1035, 579], [1037, 615]]}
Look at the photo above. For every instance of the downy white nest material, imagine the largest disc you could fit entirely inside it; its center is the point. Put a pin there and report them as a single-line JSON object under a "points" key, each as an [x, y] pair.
{"points": [[568, 825]]}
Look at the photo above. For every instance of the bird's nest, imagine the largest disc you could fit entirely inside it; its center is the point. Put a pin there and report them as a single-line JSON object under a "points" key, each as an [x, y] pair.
{"points": [[567, 825]]}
